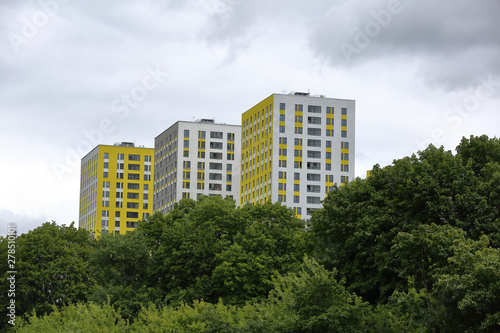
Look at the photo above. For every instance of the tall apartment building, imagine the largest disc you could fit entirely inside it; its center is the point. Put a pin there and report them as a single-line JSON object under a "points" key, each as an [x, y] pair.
{"points": [[196, 158], [114, 188], [295, 147]]}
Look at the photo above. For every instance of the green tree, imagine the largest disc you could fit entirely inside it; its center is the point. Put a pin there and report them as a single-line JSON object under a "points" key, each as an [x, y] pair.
{"points": [[119, 264], [355, 229], [209, 249], [52, 264], [76, 318]]}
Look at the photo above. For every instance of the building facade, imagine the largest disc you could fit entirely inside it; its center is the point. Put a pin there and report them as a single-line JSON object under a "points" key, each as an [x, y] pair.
{"points": [[114, 188], [196, 158], [295, 147]]}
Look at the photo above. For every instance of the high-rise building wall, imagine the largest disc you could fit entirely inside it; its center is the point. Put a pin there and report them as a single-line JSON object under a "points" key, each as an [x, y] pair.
{"points": [[114, 188], [295, 147], [196, 158]]}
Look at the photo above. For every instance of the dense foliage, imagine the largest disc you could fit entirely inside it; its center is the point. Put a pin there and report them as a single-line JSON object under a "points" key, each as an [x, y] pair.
{"points": [[415, 247]]}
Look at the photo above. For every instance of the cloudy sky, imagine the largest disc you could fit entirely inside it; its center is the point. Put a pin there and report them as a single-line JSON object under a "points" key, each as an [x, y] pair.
{"points": [[77, 73]]}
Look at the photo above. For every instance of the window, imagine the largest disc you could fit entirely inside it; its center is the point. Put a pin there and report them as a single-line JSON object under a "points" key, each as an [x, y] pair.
{"points": [[230, 136], [119, 185], [282, 129], [230, 146], [229, 178], [215, 156], [298, 142], [106, 156], [186, 153], [106, 165], [314, 131], [186, 164], [282, 117], [328, 166], [282, 175], [215, 145], [134, 157], [298, 130], [230, 156], [329, 178], [228, 187], [296, 187], [344, 167], [215, 166], [186, 174], [119, 175], [133, 176], [344, 157], [314, 120], [329, 110], [299, 210], [313, 200], [282, 163], [343, 122], [215, 187], [313, 154], [281, 187], [344, 145], [201, 144], [298, 119], [297, 153], [133, 205], [344, 179], [297, 164], [314, 109], [313, 143], [299, 107], [201, 165], [121, 157], [147, 177], [328, 144], [282, 152], [132, 195], [314, 165], [201, 154], [314, 177], [200, 186], [201, 175], [201, 134], [134, 167], [215, 135], [186, 184], [133, 215], [133, 186], [282, 106], [105, 184], [296, 176], [105, 194], [296, 199], [131, 224], [282, 140], [343, 134], [215, 176], [147, 158], [105, 174], [328, 155], [313, 188], [120, 166], [186, 133], [229, 167], [186, 143], [344, 111]]}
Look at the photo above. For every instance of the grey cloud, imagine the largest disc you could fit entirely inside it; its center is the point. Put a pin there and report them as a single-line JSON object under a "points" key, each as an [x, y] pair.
{"points": [[456, 41], [23, 223]]}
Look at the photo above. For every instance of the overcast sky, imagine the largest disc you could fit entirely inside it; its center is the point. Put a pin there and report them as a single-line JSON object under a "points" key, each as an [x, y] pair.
{"points": [[77, 73]]}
